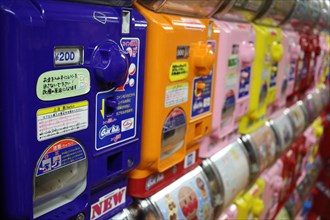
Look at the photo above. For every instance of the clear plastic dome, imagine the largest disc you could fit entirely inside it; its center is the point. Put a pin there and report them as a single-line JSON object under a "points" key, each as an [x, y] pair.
{"points": [[195, 8]]}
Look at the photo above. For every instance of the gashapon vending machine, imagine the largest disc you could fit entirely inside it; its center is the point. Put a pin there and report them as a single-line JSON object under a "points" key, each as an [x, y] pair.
{"points": [[303, 18], [269, 52], [284, 131], [292, 159], [232, 86], [261, 147], [179, 83], [229, 172], [73, 78], [273, 186], [282, 73]]}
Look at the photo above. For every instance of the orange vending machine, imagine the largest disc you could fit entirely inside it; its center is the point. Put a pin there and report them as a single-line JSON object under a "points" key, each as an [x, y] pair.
{"points": [[179, 77]]}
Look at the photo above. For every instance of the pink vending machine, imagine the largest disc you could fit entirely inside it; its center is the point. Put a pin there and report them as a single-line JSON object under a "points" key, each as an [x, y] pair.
{"points": [[236, 53], [277, 14], [273, 186]]}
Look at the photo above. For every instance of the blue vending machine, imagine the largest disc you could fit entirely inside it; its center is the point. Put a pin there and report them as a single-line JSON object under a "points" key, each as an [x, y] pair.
{"points": [[71, 85]]}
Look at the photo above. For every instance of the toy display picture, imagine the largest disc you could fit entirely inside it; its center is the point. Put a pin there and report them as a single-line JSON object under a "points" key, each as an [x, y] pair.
{"points": [[187, 198], [265, 143], [172, 208], [188, 203]]}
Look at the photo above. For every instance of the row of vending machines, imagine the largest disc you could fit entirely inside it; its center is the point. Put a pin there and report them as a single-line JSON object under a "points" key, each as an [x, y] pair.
{"points": [[252, 178], [110, 100]]}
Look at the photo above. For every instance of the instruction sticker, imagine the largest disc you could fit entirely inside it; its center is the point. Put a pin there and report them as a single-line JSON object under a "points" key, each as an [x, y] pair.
{"points": [[176, 94], [60, 84], [179, 71], [60, 120], [60, 154], [116, 109]]}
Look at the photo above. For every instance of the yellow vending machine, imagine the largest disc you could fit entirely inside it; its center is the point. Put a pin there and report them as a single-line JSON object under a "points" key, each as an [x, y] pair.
{"points": [[269, 52], [179, 82]]}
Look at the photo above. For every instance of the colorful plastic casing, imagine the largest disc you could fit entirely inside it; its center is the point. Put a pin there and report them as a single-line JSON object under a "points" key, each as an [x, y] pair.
{"points": [[196, 8], [177, 111], [269, 52], [250, 204], [289, 62], [232, 85], [187, 198], [231, 167], [276, 15], [273, 185], [74, 100], [261, 147]]}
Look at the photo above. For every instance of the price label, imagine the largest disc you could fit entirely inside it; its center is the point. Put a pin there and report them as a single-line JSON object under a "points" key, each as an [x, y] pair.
{"points": [[68, 56]]}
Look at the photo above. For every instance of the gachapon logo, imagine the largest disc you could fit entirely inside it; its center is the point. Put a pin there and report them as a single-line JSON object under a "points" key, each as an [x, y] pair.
{"points": [[106, 131]]}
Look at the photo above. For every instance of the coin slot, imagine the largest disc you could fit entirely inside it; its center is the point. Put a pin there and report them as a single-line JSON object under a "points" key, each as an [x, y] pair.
{"points": [[110, 106]]}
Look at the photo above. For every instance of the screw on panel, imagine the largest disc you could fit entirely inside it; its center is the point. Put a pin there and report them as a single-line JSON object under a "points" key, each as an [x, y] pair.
{"points": [[130, 162], [80, 216]]}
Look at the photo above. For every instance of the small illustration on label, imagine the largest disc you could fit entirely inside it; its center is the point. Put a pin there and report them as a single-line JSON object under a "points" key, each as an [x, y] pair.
{"points": [[60, 154], [190, 159], [244, 82]]}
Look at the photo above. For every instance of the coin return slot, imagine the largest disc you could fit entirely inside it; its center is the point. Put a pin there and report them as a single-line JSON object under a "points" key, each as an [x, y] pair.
{"points": [[114, 162], [198, 129]]}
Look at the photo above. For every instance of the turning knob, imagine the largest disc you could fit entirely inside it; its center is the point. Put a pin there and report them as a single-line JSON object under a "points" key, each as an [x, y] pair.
{"points": [[110, 63]]}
